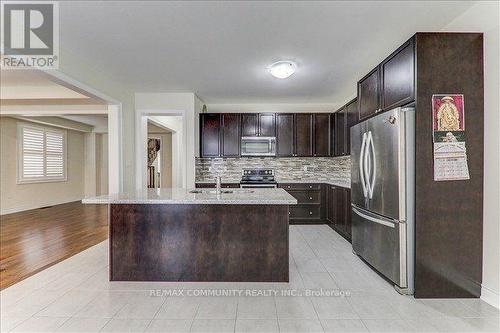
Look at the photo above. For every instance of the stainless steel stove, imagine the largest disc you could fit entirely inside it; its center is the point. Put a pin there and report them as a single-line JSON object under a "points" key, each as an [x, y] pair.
{"points": [[261, 178]]}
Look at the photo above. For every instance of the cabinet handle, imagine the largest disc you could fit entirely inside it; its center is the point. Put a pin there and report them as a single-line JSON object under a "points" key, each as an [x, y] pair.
{"points": [[310, 186], [288, 213], [310, 198], [310, 213], [288, 186]]}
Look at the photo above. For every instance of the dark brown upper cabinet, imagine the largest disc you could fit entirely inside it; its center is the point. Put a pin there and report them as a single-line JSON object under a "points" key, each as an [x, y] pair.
{"points": [[340, 132], [321, 132], [285, 131], [249, 124], [369, 94], [258, 124], [304, 134], [398, 77], [230, 123], [210, 127], [267, 124], [390, 84], [352, 119], [332, 134]]}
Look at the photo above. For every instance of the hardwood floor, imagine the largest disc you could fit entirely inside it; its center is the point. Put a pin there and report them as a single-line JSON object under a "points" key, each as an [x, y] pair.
{"points": [[33, 240]]}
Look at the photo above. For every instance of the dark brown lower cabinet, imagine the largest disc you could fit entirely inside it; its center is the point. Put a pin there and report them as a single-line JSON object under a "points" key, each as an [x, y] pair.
{"points": [[321, 203], [310, 207], [338, 210], [316, 204], [348, 222]]}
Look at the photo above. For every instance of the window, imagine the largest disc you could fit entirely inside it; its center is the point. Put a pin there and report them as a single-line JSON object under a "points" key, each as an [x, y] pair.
{"points": [[41, 154]]}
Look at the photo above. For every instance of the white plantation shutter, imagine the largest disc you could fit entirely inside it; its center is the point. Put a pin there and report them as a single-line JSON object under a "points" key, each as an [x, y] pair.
{"points": [[32, 152], [42, 154], [54, 154]]}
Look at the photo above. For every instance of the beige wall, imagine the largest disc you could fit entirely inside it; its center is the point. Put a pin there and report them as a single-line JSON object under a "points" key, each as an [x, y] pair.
{"points": [[17, 197], [484, 17]]}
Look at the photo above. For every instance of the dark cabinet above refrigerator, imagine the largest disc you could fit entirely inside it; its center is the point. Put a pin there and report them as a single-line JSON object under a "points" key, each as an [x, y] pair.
{"points": [[390, 84]]}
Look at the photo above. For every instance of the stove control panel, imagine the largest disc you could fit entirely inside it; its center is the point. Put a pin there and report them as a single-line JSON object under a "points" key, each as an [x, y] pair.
{"points": [[258, 172]]}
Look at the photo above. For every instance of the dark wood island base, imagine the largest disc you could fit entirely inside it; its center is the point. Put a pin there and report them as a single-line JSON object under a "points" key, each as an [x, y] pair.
{"points": [[199, 242]]}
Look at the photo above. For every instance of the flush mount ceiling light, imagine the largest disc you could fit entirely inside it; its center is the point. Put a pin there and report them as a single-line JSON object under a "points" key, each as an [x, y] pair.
{"points": [[282, 69]]}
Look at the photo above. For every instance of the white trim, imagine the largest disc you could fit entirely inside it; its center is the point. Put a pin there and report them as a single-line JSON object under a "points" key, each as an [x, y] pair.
{"points": [[115, 149], [88, 128], [78, 86], [51, 110], [29, 206], [20, 157], [490, 296]]}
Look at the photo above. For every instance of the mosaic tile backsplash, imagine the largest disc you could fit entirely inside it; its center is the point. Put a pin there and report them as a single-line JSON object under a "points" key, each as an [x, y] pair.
{"points": [[293, 169]]}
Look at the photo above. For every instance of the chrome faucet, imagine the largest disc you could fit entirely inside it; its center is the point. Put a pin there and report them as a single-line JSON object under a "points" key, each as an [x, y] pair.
{"points": [[218, 184]]}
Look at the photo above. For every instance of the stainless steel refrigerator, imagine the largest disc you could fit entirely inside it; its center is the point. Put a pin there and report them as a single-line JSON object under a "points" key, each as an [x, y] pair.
{"points": [[382, 194]]}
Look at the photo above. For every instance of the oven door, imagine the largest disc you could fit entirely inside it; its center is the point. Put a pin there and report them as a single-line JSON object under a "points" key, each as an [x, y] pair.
{"points": [[258, 146]]}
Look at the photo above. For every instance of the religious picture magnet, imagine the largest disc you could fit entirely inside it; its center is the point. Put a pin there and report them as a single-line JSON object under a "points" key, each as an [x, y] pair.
{"points": [[448, 121]]}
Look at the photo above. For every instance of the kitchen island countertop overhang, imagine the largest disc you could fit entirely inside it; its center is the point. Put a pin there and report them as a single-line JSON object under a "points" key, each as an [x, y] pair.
{"points": [[176, 235], [254, 196]]}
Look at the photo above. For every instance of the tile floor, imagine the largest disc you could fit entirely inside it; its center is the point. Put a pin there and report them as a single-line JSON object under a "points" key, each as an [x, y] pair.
{"points": [[76, 296]]}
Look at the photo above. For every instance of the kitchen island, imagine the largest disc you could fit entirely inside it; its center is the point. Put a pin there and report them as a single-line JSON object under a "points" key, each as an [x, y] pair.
{"points": [[174, 234]]}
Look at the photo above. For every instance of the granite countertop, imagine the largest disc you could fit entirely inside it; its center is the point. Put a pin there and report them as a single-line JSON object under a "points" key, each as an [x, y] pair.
{"points": [[261, 196], [341, 183], [224, 181], [346, 184]]}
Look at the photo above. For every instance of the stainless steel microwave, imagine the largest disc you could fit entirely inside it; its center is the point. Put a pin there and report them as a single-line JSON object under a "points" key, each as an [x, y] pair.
{"points": [[258, 146]]}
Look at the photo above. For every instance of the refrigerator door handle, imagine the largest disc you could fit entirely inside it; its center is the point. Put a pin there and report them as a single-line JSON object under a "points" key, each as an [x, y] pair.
{"points": [[373, 219], [362, 157], [367, 164], [373, 165]]}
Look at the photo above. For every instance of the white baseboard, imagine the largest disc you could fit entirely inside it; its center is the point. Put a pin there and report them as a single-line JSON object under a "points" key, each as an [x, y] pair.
{"points": [[490, 296], [29, 206]]}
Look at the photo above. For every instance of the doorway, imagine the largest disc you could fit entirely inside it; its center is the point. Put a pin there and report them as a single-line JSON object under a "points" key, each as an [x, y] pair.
{"points": [[161, 159], [159, 156]]}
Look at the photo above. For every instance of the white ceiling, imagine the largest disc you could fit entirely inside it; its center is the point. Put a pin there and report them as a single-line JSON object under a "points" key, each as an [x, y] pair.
{"points": [[28, 84], [220, 50]]}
